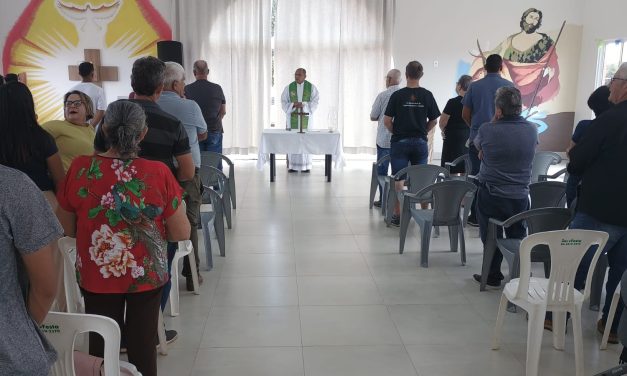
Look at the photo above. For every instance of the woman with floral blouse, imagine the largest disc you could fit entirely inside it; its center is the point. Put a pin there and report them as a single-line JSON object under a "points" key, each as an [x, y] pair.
{"points": [[123, 210]]}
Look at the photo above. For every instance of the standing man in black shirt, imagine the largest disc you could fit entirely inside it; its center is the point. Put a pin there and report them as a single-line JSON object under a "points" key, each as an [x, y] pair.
{"points": [[411, 113], [600, 159], [210, 98]]}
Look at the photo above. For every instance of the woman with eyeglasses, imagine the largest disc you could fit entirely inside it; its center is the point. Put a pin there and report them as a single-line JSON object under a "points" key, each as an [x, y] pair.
{"points": [[25, 145], [73, 136]]}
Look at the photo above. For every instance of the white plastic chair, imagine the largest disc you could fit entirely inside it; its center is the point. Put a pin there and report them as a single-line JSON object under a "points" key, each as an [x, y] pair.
{"points": [[610, 317], [61, 330], [185, 249], [556, 294], [74, 299]]}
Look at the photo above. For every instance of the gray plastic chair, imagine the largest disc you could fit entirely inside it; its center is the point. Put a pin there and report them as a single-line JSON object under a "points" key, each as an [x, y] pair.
{"points": [[212, 177], [447, 198], [537, 220], [563, 172], [547, 194], [212, 215], [467, 202], [542, 160], [377, 180], [418, 177], [209, 158]]}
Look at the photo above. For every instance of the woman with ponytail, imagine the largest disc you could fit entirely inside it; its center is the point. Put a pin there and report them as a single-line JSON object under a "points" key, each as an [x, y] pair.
{"points": [[123, 210]]}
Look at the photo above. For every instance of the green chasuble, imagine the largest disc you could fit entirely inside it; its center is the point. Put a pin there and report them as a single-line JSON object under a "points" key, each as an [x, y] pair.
{"points": [[294, 98]]}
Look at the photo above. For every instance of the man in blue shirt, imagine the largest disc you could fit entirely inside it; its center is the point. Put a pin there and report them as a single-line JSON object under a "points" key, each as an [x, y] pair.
{"points": [[506, 147], [479, 109], [189, 114]]}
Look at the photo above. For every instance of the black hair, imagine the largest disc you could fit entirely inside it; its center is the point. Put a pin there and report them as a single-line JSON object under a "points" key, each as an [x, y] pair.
{"points": [[526, 13], [493, 63], [147, 74], [599, 101], [10, 77], [18, 125], [85, 68]]}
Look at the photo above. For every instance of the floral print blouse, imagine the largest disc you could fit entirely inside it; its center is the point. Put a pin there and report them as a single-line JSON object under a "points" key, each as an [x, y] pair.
{"points": [[120, 207]]}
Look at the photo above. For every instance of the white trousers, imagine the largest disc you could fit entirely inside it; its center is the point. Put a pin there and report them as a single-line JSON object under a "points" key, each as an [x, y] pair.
{"points": [[299, 162]]}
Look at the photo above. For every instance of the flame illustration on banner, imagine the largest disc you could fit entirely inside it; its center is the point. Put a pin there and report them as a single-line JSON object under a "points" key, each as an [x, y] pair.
{"points": [[51, 35]]}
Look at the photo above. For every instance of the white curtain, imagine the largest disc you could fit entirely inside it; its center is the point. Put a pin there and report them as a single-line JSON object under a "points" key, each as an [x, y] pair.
{"points": [[346, 48], [233, 36]]}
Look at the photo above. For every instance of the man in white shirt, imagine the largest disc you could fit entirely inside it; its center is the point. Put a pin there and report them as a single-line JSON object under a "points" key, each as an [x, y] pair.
{"points": [[392, 81], [95, 92], [299, 94]]}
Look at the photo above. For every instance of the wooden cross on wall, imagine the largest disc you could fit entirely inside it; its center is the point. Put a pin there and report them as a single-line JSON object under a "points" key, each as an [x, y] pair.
{"points": [[101, 73]]}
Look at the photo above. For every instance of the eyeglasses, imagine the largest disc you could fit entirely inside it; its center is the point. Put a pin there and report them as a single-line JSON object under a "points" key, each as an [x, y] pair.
{"points": [[77, 103], [617, 79]]}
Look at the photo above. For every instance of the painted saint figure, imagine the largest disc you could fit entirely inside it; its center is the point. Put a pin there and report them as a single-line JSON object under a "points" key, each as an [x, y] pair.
{"points": [[524, 56]]}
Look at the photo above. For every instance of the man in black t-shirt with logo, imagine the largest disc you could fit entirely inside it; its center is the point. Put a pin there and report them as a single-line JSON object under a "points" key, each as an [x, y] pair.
{"points": [[411, 113]]}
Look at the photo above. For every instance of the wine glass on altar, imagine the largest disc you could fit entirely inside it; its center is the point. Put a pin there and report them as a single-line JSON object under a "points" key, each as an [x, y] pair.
{"points": [[332, 119]]}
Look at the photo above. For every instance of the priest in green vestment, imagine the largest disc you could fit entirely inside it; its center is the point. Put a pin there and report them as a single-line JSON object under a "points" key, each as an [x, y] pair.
{"points": [[299, 94]]}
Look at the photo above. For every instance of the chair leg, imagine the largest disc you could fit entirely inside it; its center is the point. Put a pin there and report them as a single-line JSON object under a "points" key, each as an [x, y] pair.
{"points": [[384, 200], [163, 344], [174, 290], [226, 207], [436, 231], [535, 326], [610, 318], [462, 243], [192, 265], [578, 336], [496, 339], [204, 218], [405, 218], [374, 183], [219, 228], [232, 189], [452, 237], [559, 330], [425, 241]]}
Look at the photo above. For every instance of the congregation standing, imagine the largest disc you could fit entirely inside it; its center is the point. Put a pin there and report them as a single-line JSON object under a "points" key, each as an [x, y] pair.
{"points": [[119, 189]]}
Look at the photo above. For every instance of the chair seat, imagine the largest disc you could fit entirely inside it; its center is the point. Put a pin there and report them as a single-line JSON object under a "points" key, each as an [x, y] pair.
{"points": [[537, 293]]}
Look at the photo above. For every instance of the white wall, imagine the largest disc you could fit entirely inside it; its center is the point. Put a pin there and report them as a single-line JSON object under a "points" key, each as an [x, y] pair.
{"points": [[603, 20], [446, 30]]}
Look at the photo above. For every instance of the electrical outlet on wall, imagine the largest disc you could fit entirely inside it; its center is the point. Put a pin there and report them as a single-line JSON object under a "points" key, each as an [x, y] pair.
{"points": [[436, 63]]}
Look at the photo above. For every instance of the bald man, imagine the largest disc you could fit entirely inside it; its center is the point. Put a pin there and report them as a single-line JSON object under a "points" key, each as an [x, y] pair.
{"points": [[300, 94], [392, 83], [210, 98]]}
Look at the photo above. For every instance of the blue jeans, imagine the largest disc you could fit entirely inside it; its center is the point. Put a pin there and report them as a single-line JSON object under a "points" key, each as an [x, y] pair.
{"points": [[172, 247], [616, 248], [212, 143], [407, 151], [473, 154], [382, 169]]}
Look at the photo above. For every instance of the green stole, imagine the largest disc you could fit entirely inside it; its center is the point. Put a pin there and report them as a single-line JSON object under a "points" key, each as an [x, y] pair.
{"points": [[294, 98]]}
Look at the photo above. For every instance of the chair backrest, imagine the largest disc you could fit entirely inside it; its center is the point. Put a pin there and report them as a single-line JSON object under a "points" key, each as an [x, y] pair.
{"points": [[73, 297], [547, 194], [465, 159], [447, 200], [213, 159], [567, 248], [421, 176], [542, 160], [210, 177], [61, 329], [547, 219]]}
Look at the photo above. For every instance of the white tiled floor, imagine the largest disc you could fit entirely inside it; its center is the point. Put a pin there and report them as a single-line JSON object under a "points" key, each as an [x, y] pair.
{"points": [[313, 285]]}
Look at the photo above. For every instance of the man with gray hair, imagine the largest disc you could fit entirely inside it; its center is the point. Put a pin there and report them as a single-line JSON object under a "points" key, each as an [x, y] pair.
{"points": [[506, 148], [188, 112], [392, 81], [210, 98], [600, 159]]}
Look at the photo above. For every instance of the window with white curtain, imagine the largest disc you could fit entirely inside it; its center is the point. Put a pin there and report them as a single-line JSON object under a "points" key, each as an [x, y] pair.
{"points": [[612, 54]]}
